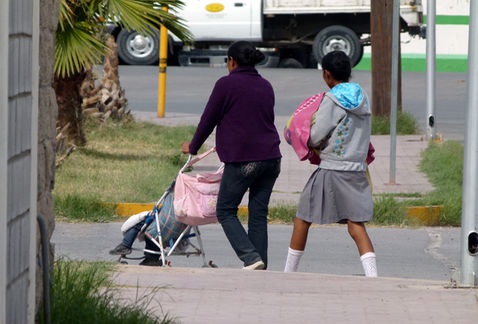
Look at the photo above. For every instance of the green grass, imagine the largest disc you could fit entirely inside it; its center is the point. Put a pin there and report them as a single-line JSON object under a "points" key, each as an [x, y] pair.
{"points": [[443, 163], [389, 211], [76, 207], [83, 292], [122, 162], [406, 124]]}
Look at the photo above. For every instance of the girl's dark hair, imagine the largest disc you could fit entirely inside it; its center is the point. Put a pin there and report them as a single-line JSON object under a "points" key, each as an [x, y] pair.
{"points": [[245, 54], [338, 64]]}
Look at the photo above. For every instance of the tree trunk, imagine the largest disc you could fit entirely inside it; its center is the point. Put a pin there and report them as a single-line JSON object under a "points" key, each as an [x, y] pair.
{"points": [[70, 116], [107, 99], [114, 102]]}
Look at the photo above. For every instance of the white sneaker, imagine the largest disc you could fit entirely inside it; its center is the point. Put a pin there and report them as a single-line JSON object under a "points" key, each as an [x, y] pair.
{"points": [[259, 265]]}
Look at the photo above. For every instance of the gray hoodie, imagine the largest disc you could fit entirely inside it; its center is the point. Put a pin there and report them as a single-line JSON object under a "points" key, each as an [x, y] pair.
{"points": [[341, 128]]}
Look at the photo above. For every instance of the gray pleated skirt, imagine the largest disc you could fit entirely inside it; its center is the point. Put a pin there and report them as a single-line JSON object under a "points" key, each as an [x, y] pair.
{"points": [[331, 196]]}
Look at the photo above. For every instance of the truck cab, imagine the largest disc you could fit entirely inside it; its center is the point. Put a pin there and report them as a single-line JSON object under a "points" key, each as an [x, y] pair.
{"points": [[223, 20]]}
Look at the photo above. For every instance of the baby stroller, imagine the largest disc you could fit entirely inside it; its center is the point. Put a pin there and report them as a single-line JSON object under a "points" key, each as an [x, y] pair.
{"points": [[188, 202]]}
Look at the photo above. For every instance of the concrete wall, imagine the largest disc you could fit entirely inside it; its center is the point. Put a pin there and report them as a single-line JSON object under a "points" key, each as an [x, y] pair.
{"points": [[26, 150]]}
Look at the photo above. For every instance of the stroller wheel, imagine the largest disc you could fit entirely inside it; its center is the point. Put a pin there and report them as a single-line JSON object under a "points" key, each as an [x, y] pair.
{"points": [[212, 264]]}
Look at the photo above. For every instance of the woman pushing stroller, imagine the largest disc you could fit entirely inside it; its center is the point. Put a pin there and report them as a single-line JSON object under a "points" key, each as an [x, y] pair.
{"points": [[241, 108]]}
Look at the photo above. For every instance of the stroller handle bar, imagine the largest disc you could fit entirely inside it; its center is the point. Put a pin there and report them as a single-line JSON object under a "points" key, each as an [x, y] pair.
{"points": [[192, 159]]}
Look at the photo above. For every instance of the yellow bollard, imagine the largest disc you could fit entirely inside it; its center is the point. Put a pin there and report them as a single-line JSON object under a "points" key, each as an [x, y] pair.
{"points": [[163, 63]]}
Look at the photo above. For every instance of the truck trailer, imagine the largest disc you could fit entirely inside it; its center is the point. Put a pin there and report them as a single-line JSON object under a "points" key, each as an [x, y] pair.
{"points": [[293, 33]]}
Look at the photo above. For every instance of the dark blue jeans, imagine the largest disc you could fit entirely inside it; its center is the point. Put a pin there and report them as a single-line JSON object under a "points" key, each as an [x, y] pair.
{"points": [[131, 234], [259, 178]]}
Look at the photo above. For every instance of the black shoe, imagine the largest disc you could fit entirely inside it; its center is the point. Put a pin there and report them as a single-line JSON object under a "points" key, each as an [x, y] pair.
{"points": [[152, 262], [121, 250]]}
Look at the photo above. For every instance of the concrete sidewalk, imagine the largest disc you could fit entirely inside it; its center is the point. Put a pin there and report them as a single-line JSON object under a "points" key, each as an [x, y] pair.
{"points": [[239, 296]]}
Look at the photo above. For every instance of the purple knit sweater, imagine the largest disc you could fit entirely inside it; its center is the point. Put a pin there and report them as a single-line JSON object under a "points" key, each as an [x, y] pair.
{"points": [[241, 106]]}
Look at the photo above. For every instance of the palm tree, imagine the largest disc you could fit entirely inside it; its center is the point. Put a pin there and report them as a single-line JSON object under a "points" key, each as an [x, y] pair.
{"points": [[80, 43]]}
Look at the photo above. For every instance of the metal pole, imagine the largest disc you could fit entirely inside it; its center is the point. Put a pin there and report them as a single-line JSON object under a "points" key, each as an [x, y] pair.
{"points": [[394, 90], [163, 63], [431, 62], [469, 217]]}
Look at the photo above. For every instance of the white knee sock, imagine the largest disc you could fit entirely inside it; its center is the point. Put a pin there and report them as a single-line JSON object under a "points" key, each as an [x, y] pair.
{"points": [[293, 259], [369, 264]]}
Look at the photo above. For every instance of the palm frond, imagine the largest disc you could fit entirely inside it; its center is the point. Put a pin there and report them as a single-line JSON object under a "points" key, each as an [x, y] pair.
{"points": [[142, 15], [76, 49], [65, 14], [81, 23]]}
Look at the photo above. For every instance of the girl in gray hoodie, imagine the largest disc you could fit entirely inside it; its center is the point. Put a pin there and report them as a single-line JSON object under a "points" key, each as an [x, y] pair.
{"points": [[338, 191]]}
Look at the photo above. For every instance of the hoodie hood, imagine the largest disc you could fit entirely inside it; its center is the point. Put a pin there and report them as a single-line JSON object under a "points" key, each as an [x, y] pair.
{"points": [[350, 96]]}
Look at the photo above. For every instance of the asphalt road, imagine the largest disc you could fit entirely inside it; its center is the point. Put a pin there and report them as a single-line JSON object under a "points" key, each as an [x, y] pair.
{"points": [[188, 89], [431, 253]]}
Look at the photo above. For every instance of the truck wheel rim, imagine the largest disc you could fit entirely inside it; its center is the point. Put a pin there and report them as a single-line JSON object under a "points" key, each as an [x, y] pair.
{"points": [[139, 46], [336, 44]]}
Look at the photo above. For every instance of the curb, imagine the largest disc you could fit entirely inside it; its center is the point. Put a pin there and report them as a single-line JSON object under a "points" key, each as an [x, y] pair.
{"points": [[424, 215], [419, 215], [130, 209]]}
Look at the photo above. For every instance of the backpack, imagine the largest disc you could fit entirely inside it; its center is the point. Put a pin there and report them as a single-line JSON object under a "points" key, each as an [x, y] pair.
{"points": [[297, 129]]}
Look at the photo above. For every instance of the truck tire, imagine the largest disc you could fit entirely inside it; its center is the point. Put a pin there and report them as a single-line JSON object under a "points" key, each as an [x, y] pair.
{"points": [[270, 61], [137, 49], [335, 37], [290, 63]]}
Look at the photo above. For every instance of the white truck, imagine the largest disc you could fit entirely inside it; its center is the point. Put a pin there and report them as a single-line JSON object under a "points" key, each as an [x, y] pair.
{"points": [[295, 33]]}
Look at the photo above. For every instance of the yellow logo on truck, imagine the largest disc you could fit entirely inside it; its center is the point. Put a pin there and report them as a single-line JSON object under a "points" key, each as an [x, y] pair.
{"points": [[215, 7]]}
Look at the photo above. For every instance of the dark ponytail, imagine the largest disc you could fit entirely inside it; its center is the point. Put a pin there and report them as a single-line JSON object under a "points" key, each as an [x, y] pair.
{"points": [[245, 54]]}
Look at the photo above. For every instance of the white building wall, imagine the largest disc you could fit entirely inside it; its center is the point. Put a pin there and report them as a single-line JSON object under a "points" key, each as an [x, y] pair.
{"points": [[451, 41], [451, 38]]}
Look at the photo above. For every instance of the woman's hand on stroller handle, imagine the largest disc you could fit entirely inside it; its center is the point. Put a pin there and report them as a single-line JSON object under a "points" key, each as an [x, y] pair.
{"points": [[185, 147]]}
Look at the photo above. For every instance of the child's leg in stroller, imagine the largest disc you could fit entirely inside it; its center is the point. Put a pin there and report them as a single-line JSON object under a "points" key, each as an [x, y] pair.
{"points": [[128, 239], [131, 234], [234, 185], [151, 259]]}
